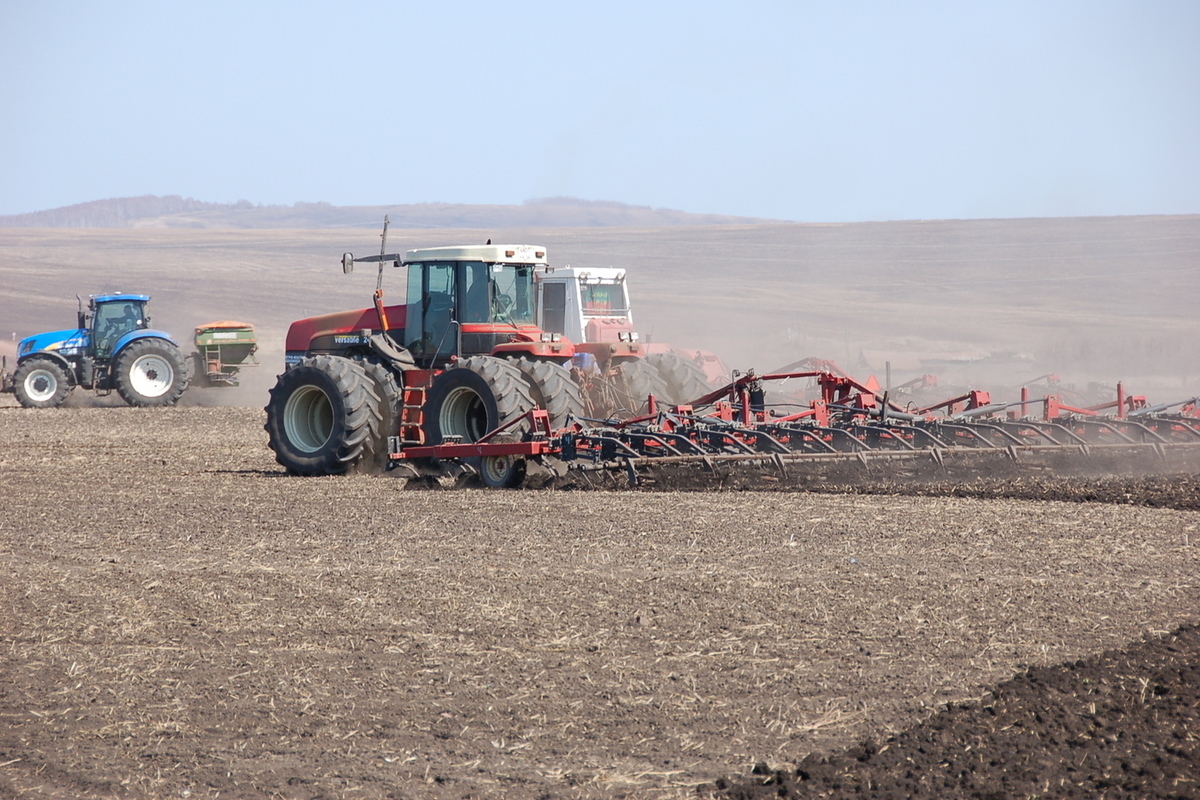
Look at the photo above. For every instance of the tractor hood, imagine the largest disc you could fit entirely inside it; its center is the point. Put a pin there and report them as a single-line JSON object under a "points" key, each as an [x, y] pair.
{"points": [[53, 341]]}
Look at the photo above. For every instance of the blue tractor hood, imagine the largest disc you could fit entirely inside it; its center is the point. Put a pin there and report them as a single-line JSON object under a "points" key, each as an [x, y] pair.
{"points": [[63, 342]]}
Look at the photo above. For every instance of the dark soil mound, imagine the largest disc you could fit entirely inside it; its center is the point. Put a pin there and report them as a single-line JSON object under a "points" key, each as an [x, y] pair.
{"points": [[1121, 724]]}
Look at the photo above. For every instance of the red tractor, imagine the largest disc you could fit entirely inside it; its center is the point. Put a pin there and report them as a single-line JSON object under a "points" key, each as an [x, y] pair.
{"points": [[462, 356]]}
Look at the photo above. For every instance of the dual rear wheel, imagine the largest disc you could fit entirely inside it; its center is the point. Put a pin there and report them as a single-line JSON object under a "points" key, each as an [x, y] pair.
{"points": [[330, 415]]}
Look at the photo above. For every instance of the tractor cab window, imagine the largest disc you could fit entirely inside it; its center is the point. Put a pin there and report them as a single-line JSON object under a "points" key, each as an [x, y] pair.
{"points": [[114, 320], [512, 294]]}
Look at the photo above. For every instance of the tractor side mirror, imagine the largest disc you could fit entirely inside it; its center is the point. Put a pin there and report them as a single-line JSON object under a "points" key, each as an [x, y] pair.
{"points": [[347, 263]]}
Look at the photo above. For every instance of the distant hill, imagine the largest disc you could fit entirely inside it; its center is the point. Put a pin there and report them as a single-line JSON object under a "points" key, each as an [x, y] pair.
{"points": [[183, 212]]}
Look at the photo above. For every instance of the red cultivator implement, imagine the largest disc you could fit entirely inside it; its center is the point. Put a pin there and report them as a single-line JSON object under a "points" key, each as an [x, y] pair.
{"points": [[849, 428]]}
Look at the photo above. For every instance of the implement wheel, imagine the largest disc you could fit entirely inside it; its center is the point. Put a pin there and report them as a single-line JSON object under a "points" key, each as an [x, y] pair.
{"points": [[151, 372], [323, 417], [502, 472], [475, 396], [41, 383]]}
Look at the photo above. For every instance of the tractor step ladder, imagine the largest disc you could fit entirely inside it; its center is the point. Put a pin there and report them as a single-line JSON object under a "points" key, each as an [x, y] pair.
{"points": [[412, 415]]}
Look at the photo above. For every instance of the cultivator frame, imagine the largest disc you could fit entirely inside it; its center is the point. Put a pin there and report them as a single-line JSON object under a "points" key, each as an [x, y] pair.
{"points": [[850, 425]]}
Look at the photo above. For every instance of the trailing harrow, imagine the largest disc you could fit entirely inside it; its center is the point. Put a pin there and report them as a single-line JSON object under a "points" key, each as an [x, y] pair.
{"points": [[849, 427]]}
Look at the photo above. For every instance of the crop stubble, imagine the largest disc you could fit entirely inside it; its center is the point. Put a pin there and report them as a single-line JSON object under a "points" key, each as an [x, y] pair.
{"points": [[185, 620]]}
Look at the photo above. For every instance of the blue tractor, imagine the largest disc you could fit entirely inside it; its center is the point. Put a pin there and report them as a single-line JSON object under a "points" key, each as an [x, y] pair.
{"points": [[113, 348]]}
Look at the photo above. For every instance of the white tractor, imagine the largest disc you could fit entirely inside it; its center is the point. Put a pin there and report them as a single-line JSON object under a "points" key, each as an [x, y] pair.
{"points": [[590, 306]]}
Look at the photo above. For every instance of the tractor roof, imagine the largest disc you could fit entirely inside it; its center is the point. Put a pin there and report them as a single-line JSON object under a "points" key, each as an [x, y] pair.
{"points": [[120, 298], [487, 253], [587, 274]]}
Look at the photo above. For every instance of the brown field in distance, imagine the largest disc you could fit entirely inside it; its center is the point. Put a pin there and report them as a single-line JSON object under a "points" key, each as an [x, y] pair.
{"points": [[980, 303]]}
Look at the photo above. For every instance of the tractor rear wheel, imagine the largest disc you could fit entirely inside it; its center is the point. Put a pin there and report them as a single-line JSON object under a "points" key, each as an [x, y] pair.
{"points": [[685, 378], [322, 416], [635, 382], [475, 396], [151, 372], [41, 383], [552, 389]]}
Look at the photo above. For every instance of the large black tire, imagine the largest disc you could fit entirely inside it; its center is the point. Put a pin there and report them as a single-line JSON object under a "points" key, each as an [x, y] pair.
{"points": [[322, 416], [389, 399], [553, 390], [151, 372], [685, 378], [41, 383], [636, 381], [475, 396]]}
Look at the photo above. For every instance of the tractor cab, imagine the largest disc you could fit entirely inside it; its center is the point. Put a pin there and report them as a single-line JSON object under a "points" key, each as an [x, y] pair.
{"points": [[586, 305], [111, 318], [470, 300]]}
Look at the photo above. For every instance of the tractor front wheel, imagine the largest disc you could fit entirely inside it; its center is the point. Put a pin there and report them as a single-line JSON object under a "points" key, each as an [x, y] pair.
{"points": [[390, 399], [41, 383], [323, 417], [151, 372]]}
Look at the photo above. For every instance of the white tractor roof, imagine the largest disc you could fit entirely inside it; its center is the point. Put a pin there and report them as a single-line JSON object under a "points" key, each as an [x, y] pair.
{"points": [[587, 274], [488, 253]]}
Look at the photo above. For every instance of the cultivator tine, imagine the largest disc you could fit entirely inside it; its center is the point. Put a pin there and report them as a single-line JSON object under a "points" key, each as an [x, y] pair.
{"points": [[631, 472]]}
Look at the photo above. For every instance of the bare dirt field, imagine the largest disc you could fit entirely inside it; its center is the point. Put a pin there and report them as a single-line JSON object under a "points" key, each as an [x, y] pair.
{"points": [[182, 620]]}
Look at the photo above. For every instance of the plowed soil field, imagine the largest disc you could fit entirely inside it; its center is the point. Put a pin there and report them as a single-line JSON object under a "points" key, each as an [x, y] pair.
{"points": [[180, 619]]}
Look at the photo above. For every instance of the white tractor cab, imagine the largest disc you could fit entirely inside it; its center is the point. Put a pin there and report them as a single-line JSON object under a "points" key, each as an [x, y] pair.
{"points": [[586, 305], [590, 307]]}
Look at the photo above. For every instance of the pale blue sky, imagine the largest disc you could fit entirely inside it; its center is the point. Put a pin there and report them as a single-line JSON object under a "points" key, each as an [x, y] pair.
{"points": [[837, 111]]}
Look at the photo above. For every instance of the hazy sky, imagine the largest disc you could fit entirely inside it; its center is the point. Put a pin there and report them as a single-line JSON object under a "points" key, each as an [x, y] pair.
{"points": [[834, 111]]}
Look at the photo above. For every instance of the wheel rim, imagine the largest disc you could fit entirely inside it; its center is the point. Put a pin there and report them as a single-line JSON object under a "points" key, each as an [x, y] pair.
{"points": [[41, 385], [496, 469], [151, 375], [308, 419], [463, 414]]}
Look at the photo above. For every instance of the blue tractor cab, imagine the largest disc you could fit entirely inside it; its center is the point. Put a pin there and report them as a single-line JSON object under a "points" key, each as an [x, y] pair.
{"points": [[113, 347]]}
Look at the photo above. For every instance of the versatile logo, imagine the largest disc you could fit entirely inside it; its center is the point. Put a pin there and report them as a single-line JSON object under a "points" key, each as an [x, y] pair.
{"points": [[347, 340]]}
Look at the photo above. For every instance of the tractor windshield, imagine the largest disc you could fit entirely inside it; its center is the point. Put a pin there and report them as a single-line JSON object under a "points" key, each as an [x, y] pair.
{"points": [[512, 294], [500, 293], [603, 299]]}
